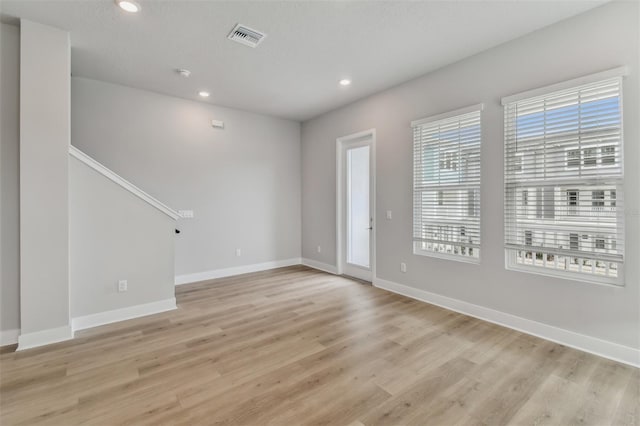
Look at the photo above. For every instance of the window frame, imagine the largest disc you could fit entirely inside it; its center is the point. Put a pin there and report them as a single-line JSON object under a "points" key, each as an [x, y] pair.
{"points": [[593, 159], [598, 198], [567, 155], [511, 254], [460, 256], [601, 151]]}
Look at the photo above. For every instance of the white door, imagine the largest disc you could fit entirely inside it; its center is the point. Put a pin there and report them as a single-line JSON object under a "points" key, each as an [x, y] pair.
{"points": [[356, 216]]}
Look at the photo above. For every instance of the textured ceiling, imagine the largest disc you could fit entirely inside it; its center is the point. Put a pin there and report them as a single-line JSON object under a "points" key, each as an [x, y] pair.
{"points": [[310, 45]]}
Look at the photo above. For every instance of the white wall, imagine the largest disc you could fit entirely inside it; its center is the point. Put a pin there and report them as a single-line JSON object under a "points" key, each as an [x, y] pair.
{"points": [[9, 181], [114, 235], [45, 75], [243, 181], [601, 39]]}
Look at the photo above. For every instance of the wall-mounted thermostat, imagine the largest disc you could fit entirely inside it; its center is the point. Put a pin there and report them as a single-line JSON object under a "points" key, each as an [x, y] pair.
{"points": [[217, 124]]}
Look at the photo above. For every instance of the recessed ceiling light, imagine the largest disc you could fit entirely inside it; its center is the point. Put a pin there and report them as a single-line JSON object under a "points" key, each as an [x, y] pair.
{"points": [[128, 5], [183, 72], [345, 82], [204, 93]]}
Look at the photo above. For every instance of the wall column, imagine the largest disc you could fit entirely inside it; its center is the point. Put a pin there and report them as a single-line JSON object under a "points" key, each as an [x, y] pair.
{"points": [[45, 77]]}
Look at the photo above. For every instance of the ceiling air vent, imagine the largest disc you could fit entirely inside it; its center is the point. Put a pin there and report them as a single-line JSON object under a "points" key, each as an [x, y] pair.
{"points": [[246, 35]]}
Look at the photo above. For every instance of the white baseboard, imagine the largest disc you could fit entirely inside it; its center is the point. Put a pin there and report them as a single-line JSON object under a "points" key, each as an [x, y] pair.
{"points": [[603, 348], [320, 266], [9, 337], [236, 270], [130, 312], [44, 337]]}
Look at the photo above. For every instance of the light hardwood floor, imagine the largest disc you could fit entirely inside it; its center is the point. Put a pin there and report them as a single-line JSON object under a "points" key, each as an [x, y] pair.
{"points": [[297, 346]]}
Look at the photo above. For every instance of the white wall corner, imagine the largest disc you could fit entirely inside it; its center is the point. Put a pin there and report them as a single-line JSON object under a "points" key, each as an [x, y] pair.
{"points": [[44, 337], [9, 337], [236, 270], [603, 348], [321, 266], [116, 315]]}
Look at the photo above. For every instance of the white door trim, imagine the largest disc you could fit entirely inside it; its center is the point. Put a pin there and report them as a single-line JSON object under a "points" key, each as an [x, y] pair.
{"points": [[340, 142]]}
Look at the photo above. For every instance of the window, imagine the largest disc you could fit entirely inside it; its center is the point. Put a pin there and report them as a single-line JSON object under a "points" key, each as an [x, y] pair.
{"points": [[590, 156], [574, 244], [574, 136], [446, 185], [608, 154], [573, 158], [597, 198], [528, 238], [449, 160], [572, 202]]}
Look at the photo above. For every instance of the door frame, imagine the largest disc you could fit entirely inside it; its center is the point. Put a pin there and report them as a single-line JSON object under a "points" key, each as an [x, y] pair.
{"points": [[340, 143]]}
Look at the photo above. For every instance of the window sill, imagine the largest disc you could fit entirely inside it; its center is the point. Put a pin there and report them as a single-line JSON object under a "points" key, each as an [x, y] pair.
{"points": [[571, 276], [447, 256]]}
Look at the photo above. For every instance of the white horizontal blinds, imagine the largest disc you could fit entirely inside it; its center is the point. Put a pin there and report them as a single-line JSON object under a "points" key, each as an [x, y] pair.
{"points": [[564, 200], [446, 186]]}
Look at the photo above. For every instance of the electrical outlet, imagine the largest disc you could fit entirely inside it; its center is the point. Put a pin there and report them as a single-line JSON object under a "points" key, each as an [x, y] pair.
{"points": [[122, 286], [389, 214], [319, 249], [238, 252], [403, 267]]}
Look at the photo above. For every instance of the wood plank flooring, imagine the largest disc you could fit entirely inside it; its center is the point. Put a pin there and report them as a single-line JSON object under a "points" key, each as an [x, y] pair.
{"points": [[296, 346]]}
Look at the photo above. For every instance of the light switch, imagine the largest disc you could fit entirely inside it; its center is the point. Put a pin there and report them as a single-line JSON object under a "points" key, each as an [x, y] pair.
{"points": [[186, 214], [389, 214]]}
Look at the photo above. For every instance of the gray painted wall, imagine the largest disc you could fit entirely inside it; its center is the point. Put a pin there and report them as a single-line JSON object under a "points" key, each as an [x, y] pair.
{"points": [[114, 235], [9, 177], [44, 183], [243, 181], [604, 38]]}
